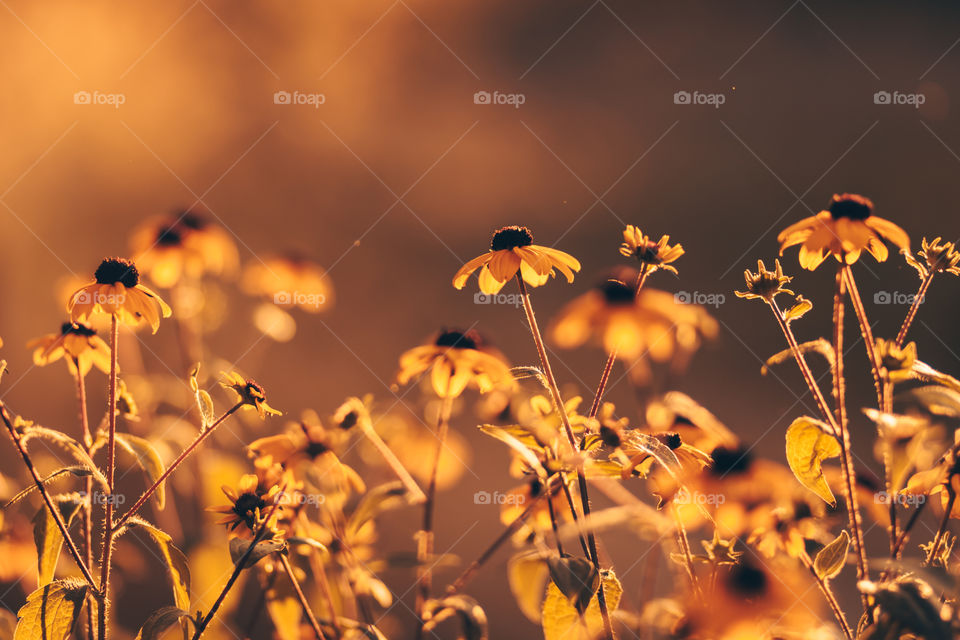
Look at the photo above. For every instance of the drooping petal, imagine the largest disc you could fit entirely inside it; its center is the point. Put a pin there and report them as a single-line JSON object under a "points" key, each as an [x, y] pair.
{"points": [[460, 278]]}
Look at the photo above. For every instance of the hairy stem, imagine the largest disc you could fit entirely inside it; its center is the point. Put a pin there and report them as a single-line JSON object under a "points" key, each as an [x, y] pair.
{"points": [[86, 514], [865, 329], [108, 530], [828, 596], [914, 307], [288, 569], [176, 463]]}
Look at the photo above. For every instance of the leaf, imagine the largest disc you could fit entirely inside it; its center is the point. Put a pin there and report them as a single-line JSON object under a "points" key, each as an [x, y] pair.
{"points": [[473, 619], [203, 399], [514, 443], [76, 471], [820, 345], [310, 542], [561, 621], [239, 546], [382, 497], [923, 371], [937, 400], [51, 611], [173, 558], [72, 446], [798, 310], [148, 459], [635, 439], [47, 535], [528, 574], [832, 557], [808, 445], [161, 620], [576, 578]]}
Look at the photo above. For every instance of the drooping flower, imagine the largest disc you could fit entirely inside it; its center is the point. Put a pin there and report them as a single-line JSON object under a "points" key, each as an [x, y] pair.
{"points": [[651, 255], [249, 393], [77, 343], [845, 229], [456, 360], [117, 291], [512, 250], [288, 282]]}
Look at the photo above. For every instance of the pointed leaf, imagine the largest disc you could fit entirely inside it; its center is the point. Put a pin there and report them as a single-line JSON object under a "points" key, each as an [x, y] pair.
{"points": [[239, 546], [47, 536], [66, 442], [808, 445], [377, 500], [832, 557], [161, 620], [173, 558], [76, 471], [51, 611], [148, 459]]}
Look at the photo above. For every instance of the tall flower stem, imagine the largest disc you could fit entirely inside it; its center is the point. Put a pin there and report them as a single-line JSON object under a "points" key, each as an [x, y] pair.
{"points": [[828, 596], [108, 529], [87, 511], [425, 544], [416, 493], [865, 329], [47, 500], [846, 463], [581, 478], [304, 603], [914, 307], [176, 463]]}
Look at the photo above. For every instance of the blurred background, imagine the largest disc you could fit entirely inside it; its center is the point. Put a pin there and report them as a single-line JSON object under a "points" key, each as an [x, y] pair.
{"points": [[385, 140]]}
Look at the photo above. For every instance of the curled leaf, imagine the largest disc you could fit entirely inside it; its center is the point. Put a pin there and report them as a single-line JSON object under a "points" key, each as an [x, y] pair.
{"points": [[808, 445], [832, 557], [161, 620], [239, 546]]}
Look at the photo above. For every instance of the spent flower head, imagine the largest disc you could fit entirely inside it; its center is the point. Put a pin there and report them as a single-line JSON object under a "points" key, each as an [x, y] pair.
{"points": [[896, 361], [938, 257], [250, 393], [765, 284], [651, 255]]}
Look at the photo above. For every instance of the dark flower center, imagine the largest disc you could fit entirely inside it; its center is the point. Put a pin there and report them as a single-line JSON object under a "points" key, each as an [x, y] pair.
{"points": [[254, 391], [727, 460], [609, 436], [616, 292], [850, 206], [747, 581], [76, 329], [671, 440], [114, 270], [192, 220], [457, 340], [536, 488], [648, 252], [169, 237], [801, 510], [246, 507], [315, 449], [510, 237]]}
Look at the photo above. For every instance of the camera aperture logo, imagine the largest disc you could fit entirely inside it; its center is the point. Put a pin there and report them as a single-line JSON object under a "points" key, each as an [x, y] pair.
{"points": [[512, 99], [497, 497], [699, 98], [698, 297], [99, 98], [896, 297], [299, 98], [513, 299], [899, 98]]}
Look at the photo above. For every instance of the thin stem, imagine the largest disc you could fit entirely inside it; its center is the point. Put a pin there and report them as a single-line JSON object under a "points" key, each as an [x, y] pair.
{"points": [[477, 564], [905, 532], [914, 307], [176, 463], [684, 544], [86, 515], [553, 523], [238, 568], [57, 516], [321, 575], [948, 509], [887, 448], [581, 478], [425, 546], [416, 493], [828, 596], [108, 530], [317, 631], [865, 329]]}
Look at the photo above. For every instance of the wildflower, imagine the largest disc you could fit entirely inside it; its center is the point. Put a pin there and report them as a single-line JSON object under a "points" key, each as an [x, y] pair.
{"points": [[765, 284], [117, 291], [652, 255], [939, 257], [249, 503], [843, 230], [290, 282], [456, 359], [896, 362], [632, 324], [184, 245], [512, 250], [250, 393], [81, 344]]}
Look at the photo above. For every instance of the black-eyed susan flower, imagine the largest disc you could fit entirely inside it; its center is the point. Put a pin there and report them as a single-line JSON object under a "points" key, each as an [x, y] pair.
{"points": [[289, 282], [78, 343], [633, 324], [117, 291], [845, 229], [652, 255], [512, 250], [765, 284], [249, 504], [249, 392], [456, 360], [896, 362], [185, 244]]}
